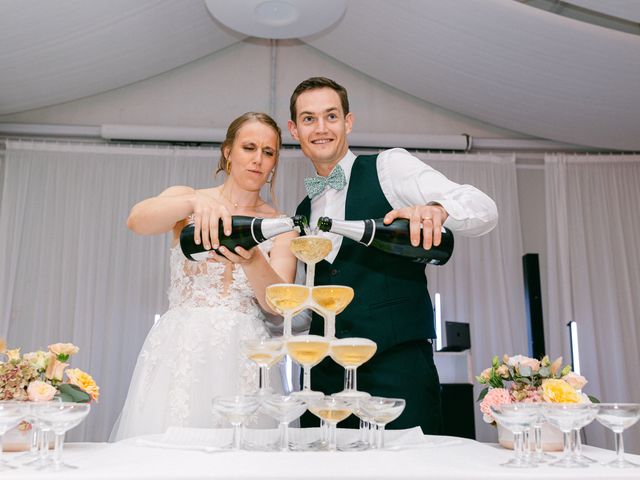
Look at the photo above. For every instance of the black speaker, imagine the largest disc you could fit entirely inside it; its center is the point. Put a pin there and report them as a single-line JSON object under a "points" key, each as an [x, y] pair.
{"points": [[457, 410], [533, 304]]}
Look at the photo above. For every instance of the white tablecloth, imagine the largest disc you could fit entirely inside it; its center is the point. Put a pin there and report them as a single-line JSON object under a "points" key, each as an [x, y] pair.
{"points": [[437, 458]]}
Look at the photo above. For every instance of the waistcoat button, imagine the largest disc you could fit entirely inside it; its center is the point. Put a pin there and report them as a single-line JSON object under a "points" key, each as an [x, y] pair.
{"points": [[334, 272]]}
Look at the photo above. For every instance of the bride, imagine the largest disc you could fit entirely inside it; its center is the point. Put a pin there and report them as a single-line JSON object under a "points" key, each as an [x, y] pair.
{"points": [[194, 352]]}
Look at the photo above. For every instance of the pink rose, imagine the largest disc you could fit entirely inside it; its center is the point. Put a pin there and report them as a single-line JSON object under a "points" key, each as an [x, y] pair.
{"points": [[575, 380], [39, 391], [495, 396]]}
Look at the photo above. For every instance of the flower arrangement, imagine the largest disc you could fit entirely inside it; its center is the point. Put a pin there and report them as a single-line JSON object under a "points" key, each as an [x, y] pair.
{"points": [[40, 376], [523, 379]]}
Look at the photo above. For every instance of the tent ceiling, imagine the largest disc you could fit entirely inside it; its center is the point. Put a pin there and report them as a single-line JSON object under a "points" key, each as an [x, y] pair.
{"points": [[500, 61]]}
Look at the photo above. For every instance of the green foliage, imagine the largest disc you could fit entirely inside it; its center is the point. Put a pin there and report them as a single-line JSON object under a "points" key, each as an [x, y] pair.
{"points": [[73, 393]]}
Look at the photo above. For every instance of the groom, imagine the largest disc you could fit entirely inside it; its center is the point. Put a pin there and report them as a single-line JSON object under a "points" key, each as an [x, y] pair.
{"points": [[392, 305]]}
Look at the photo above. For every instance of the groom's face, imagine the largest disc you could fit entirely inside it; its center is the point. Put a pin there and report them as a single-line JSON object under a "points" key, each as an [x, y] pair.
{"points": [[321, 127]]}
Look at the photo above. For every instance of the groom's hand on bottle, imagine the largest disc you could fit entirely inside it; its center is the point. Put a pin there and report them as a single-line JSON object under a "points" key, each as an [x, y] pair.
{"points": [[427, 219], [207, 213]]}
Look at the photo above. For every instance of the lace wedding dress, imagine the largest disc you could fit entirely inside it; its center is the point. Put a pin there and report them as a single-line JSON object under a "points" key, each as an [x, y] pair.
{"points": [[193, 352]]}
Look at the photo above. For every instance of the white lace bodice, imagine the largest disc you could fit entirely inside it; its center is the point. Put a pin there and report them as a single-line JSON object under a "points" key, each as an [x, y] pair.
{"points": [[210, 284]]}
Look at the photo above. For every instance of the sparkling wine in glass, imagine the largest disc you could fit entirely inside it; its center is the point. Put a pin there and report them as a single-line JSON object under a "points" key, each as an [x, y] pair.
{"points": [[310, 249], [329, 301], [331, 410], [350, 353], [288, 300], [618, 417], [236, 409], [308, 351], [284, 409], [265, 352], [382, 411], [60, 417], [11, 414], [567, 417]]}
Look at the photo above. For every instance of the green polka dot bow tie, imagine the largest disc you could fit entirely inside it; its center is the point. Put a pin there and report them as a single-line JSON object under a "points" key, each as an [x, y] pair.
{"points": [[316, 185]]}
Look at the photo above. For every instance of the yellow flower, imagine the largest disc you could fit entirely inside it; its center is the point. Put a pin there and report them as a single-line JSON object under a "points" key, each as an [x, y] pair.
{"points": [[555, 390], [84, 381]]}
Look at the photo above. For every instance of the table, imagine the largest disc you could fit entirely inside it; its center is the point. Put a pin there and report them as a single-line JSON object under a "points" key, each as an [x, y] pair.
{"points": [[444, 458]]}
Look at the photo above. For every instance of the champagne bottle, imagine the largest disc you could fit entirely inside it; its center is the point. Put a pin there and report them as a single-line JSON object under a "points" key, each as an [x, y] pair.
{"points": [[393, 238], [246, 232]]}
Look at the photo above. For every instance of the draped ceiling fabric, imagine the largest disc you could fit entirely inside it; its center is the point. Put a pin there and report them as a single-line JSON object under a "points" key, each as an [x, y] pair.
{"points": [[593, 270], [73, 272], [489, 60]]}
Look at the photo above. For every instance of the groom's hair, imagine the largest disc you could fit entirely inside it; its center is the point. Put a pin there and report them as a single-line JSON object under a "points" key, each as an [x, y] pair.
{"points": [[315, 83]]}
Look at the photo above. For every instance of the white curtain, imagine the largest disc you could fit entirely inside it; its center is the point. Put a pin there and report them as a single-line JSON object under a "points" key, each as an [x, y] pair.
{"points": [[73, 272], [483, 284], [593, 229]]}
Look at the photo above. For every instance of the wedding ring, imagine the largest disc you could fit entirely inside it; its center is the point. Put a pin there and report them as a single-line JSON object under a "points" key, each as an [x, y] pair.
{"points": [[426, 218]]}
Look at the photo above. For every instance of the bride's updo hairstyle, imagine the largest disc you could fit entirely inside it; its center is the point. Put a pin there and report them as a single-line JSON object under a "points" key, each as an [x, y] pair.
{"points": [[232, 132]]}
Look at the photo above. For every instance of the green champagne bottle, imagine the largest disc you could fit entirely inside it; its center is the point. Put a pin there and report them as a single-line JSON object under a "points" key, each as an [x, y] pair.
{"points": [[246, 232], [393, 238]]}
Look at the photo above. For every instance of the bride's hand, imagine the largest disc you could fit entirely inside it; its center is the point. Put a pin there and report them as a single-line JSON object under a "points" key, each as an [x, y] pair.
{"points": [[207, 213], [240, 256]]}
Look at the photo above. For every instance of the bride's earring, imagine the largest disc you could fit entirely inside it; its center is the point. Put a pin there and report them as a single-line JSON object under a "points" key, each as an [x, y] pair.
{"points": [[270, 179]]}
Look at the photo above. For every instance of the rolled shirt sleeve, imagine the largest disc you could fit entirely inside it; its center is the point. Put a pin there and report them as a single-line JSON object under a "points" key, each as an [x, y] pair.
{"points": [[407, 181]]}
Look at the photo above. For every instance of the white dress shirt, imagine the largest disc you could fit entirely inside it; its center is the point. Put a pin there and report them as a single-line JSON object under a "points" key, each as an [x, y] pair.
{"points": [[407, 181]]}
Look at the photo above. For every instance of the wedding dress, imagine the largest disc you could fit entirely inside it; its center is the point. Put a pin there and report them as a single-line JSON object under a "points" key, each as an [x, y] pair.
{"points": [[194, 351]]}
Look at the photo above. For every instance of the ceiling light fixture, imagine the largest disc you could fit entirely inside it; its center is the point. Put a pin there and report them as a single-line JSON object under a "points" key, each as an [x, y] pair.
{"points": [[277, 19]]}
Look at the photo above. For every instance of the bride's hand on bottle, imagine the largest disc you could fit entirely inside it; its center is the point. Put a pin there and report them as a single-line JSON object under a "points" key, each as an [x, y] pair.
{"points": [[207, 213], [240, 256], [426, 218]]}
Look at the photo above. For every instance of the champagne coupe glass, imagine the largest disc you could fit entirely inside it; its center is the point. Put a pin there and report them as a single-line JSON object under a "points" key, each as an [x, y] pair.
{"points": [[618, 417], [308, 351], [331, 410], [330, 300], [310, 249], [60, 417], [236, 409], [566, 417], [288, 300], [576, 440], [284, 409], [265, 352], [350, 353], [382, 411], [11, 414], [517, 417]]}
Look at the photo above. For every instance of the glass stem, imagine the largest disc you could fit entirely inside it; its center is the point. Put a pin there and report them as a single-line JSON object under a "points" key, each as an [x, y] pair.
{"points": [[566, 441], [306, 381], [619, 444], [537, 434], [263, 379], [286, 332], [284, 436], [526, 447], [57, 450], [330, 325], [350, 381], [35, 433], [332, 434], [1, 448], [517, 445], [236, 436], [380, 433], [311, 273]]}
